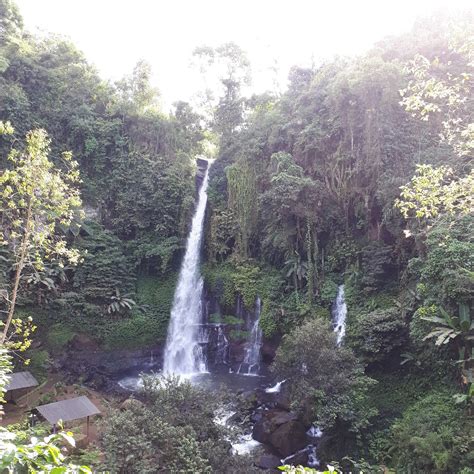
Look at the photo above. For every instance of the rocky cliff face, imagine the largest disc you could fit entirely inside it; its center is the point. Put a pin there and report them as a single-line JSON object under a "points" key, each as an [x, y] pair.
{"points": [[85, 360], [231, 332]]}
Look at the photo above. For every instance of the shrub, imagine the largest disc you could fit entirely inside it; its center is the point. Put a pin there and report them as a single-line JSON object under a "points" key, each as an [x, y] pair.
{"points": [[432, 436], [105, 267], [268, 322], [39, 364], [238, 335], [376, 335], [328, 292], [58, 336], [136, 332]]}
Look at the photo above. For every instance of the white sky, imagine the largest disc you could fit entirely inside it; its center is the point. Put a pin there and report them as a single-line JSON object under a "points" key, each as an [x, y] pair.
{"points": [[115, 34]]}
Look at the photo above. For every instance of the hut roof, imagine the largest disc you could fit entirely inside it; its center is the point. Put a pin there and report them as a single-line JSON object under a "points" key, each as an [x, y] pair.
{"points": [[67, 410], [20, 380]]}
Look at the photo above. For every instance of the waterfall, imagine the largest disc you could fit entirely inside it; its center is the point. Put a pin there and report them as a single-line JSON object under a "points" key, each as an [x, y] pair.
{"points": [[251, 363], [183, 352], [275, 388], [313, 460], [222, 353], [339, 313]]}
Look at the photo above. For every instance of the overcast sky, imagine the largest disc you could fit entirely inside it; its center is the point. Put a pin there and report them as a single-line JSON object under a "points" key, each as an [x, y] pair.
{"points": [[115, 34]]}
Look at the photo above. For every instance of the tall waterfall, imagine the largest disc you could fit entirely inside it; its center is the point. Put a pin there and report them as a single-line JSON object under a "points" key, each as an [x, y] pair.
{"points": [[183, 351], [339, 313], [251, 363]]}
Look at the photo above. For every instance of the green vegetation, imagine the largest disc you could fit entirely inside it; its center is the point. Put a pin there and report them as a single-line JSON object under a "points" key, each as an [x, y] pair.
{"points": [[40, 364], [336, 180], [58, 336], [172, 431], [432, 436], [238, 335], [316, 367], [147, 322]]}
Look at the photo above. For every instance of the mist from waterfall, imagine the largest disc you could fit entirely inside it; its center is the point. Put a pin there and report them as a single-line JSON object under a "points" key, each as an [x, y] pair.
{"points": [[183, 351], [339, 313]]}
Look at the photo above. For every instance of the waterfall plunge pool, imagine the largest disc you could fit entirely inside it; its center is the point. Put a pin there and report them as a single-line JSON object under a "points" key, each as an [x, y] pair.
{"points": [[234, 382], [242, 444]]}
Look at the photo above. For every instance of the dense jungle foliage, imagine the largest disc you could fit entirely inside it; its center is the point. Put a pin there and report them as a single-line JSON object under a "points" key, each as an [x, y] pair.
{"points": [[359, 173]]}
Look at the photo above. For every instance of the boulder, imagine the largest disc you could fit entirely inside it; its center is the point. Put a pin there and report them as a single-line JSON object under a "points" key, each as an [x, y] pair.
{"points": [[268, 351], [268, 461], [101, 368], [289, 438], [282, 401], [269, 423], [82, 342]]}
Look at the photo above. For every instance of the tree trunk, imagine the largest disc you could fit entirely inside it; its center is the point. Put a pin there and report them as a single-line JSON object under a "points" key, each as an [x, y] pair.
{"points": [[316, 258], [309, 252], [16, 283]]}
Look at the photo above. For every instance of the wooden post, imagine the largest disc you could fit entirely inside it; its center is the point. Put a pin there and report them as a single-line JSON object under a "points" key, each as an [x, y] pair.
{"points": [[87, 435]]}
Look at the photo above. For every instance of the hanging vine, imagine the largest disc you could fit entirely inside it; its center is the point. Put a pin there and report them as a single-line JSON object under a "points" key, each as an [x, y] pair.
{"points": [[242, 200]]}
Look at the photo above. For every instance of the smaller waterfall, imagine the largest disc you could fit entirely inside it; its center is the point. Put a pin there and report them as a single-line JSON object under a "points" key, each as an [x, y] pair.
{"points": [[314, 432], [222, 353], [313, 460], [275, 388], [310, 451], [251, 363], [339, 313]]}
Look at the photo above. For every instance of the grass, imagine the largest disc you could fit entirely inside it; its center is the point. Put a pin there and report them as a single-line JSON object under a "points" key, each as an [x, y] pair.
{"points": [[59, 336]]}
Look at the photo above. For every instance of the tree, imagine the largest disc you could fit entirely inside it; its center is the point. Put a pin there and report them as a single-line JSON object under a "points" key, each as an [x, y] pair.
{"points": [[432, 436], [289, 200], [444, 92], [460, 331], [119, 302], [229, 65], [37, 456], [435, 91], [35, 199], [325, 378], [10, 19], [297, 269], [439, 200], [137, 94], [378, 335], [434, 192], [5, 369]]}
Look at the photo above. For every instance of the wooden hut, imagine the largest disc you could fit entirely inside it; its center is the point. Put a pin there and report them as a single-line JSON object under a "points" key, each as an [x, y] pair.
{"points": [[19, 384], [68, 410]]}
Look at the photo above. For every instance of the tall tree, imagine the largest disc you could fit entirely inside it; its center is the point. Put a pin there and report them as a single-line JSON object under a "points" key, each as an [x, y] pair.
{"points": [[35, 199]]}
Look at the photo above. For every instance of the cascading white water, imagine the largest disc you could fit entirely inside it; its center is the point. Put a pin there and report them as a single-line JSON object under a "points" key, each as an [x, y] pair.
{"points": [[275, 388], [222, 352], [251, 363], [339, 313], [183, 352]]}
